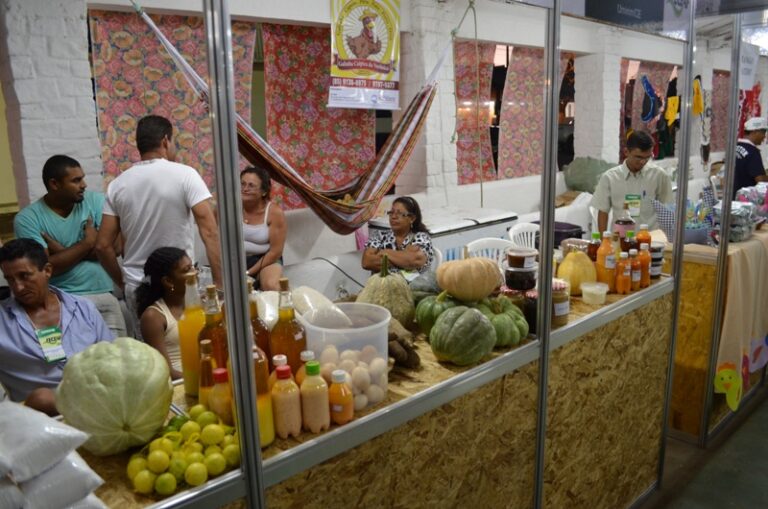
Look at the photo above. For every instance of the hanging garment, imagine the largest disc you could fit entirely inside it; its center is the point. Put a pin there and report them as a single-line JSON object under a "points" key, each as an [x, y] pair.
{"points": [[629, 91], [706, 124], [347, 208], [673, 102], [650, 101], [698, 101]]}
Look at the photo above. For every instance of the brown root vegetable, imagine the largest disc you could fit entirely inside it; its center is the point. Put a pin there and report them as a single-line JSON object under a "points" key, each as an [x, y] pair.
{"points": [[405, 355], [396, 330]]}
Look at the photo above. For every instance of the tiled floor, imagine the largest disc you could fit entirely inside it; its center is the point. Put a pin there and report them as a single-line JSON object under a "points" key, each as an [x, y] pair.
{"points": [[732, 474]]}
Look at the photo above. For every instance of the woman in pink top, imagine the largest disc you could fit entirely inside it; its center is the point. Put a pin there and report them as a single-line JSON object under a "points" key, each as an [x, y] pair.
{"points": [[264, 229]]}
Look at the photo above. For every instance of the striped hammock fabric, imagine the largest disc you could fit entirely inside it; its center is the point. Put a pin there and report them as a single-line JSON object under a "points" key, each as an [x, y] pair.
{"points": [[366, 190]]}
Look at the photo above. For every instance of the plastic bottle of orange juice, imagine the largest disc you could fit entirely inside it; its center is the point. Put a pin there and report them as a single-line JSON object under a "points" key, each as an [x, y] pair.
{"points": [[220, 398], [263, 398], [341, 399], [190, 325], [636, 272], [623, 275], [606, 262], [643, 236], [645, 265]]}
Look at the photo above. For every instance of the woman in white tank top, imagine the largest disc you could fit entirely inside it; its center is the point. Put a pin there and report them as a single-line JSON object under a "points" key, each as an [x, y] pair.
{"points": [[264, 229], [160, 302]]}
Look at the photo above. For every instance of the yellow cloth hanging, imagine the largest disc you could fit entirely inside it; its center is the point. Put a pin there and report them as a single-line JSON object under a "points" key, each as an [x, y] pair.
{"points": [[698, 98], [673, 105]]}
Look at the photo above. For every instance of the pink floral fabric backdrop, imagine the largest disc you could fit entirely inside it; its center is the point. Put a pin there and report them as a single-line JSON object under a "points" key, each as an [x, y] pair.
{"points": [[470, 135], [328, 146], [134, 77], [721, 82]]}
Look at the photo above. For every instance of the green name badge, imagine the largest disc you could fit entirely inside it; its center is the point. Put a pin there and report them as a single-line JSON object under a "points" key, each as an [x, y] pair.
{"points": [[50, 341], [633, 202]]}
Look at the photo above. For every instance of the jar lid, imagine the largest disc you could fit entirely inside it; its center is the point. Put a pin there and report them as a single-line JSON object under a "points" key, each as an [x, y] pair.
{"points": [[307, 355], [279, 360], [522, 251], [220, 376], [559, 285], [534, 268], [532, 294], [283, 372], [339, 376]]}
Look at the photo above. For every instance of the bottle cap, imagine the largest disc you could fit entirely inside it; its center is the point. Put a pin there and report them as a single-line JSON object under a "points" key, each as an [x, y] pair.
{"points": [[206, 346], [307, 355], [283, 372], [210, 291], [643, 226], [284, 287], [630, 233], [191, 278], [596, 235], [633, 252], [644, 245], [607, 234], [313, 368], [279, 360], [339, 376], [220, 376], [623, 255]]}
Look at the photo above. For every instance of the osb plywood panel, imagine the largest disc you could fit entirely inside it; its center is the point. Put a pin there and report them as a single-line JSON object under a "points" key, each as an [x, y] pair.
{"points": [[606, 396], [478, 448], [694, 340]]}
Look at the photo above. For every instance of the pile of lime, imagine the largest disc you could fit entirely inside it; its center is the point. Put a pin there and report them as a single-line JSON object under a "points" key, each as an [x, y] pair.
{"points": [[190, 450]]}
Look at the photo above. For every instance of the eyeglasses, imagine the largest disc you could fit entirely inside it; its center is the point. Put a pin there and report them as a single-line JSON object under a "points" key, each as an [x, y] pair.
{"points": [[395, 213]]}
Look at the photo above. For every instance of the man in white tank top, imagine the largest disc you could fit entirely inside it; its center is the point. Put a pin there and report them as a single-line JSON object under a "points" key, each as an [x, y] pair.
{"points": [[155, 204]]}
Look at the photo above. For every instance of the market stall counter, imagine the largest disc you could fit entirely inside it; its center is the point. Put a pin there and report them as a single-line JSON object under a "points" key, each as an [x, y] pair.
{"points": [[742, 348], [454, 435]]}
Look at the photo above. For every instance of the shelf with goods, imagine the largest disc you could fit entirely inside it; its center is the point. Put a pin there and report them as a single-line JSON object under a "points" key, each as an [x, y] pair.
{"points": [[420, 417]]}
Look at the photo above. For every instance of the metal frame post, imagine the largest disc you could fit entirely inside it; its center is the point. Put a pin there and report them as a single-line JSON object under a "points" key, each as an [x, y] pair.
{"points": [[725, 228], [239, 335], [677, 250], [546, 238]]}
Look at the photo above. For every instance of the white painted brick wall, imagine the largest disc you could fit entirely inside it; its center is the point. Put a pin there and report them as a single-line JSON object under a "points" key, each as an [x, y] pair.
{"points": [[46, 81]]}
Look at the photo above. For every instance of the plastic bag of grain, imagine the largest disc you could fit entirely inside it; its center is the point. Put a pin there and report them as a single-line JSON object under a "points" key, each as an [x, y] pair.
{"points": [[31, 442], [10, 495], [67, 482]]}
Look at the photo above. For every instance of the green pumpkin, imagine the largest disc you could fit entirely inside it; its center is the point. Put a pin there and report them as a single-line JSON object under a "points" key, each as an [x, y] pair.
{"points": [[390, 291], [430, 308], [462, 335], [424, 285], [507, 319]]}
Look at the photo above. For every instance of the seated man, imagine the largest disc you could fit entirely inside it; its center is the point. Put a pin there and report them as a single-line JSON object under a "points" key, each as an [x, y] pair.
{"points": [[40, 326]]}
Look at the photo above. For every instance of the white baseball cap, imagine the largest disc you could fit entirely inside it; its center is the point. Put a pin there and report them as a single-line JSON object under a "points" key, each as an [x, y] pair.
{"points": [[756, 124]]}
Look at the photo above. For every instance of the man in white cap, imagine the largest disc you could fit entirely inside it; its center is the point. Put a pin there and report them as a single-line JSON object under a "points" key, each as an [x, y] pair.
{"points": [[749, 162]]}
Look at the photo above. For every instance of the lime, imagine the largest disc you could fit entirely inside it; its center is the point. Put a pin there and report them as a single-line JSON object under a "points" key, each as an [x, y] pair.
{"points": [[196, 474], [179, 455], [177, 421], [177, 467], [232, 454], [212, 434], [161, 444], [144, 482], [189, 428], [195, 457], [165, 484], [211, 449], [228, 439], [193, 447], [215, 464], [196, 410], [207, 418], [158, 461], [135, 466]]}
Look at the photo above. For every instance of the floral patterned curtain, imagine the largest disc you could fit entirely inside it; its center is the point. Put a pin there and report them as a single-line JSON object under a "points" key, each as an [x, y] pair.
{"points": [[721, 82], [471, 134], [328, 146], [134, 77]]}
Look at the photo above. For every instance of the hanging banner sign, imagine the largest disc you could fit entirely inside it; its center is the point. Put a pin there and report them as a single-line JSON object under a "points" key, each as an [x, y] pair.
{"points": [[750, 55], [365, 54]]}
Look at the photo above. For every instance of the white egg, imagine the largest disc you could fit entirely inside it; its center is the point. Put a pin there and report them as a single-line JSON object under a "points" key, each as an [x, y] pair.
{"points": [[356, 391], [377, 368], [368, 353], [361, 401], [361, 378], [326, 370], [347, 365], [362, 364], [352, 355], [383, 381], [329, 355], [375, 394]]}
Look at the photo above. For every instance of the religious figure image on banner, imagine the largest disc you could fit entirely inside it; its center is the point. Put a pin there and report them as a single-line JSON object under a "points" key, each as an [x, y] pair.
{"points": [[365, 54]]}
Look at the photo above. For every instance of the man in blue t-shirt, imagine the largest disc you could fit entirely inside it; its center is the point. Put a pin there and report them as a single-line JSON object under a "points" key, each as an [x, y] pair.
{"points": [[749, 162], [65, 221]]}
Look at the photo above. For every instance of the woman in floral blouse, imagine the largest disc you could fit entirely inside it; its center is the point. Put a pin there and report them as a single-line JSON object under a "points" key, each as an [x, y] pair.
{"points": [[407, 244]]}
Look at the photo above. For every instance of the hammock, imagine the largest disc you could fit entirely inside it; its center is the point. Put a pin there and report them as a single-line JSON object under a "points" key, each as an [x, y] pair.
{"points": [[334, 207]]}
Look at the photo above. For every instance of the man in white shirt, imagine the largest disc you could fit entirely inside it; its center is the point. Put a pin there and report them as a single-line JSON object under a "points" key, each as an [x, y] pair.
{"points": [[636, 182], [153, 204]]}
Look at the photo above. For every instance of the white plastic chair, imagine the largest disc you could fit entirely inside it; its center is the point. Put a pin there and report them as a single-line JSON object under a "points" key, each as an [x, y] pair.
{"points": [[524, 235], [492, 248], [717, 189], [437, 258]]}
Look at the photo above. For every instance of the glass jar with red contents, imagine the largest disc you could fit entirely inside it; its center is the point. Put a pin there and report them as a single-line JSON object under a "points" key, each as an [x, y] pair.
{"points": [[529, 309]]}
